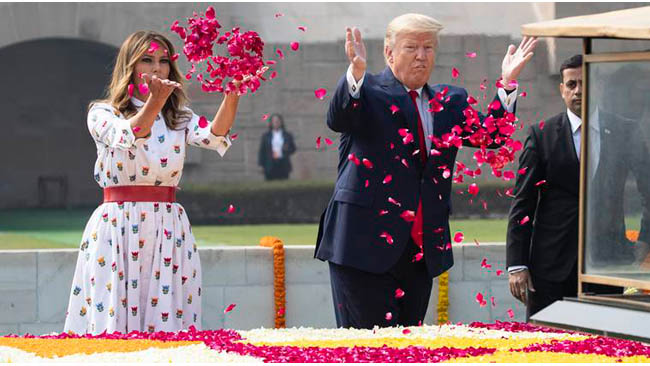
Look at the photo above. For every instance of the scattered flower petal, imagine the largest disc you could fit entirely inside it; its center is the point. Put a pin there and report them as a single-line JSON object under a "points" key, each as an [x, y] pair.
{"points": [[203, 122], [229, 308], [143, 89], [320, 93], [473, 189], [387, 236]]}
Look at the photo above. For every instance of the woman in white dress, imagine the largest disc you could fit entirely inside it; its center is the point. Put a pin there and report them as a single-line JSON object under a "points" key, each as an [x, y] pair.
{"points": [[138, 267]]}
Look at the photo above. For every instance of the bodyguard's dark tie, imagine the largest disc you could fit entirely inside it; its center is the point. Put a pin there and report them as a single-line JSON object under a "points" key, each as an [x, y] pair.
{"points": [[417, 228]]}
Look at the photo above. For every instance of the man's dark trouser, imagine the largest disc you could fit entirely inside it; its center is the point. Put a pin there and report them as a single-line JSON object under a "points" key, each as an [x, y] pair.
{"points": [[547, 292], [362, 299]]}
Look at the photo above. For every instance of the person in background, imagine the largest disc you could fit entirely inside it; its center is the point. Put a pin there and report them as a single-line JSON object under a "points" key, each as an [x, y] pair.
{"points": [[276, 148]]}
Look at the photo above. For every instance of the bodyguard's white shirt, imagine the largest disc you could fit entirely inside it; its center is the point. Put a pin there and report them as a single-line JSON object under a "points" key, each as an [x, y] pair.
{"points": [[594, 137]]}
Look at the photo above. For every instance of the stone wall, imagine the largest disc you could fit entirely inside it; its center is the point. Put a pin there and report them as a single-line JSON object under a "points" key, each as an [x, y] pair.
{"points": [[35, 285]]}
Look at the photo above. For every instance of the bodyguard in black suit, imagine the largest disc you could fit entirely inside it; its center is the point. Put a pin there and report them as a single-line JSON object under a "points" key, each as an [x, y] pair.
{"points": [[382, 261], [542, 251]]}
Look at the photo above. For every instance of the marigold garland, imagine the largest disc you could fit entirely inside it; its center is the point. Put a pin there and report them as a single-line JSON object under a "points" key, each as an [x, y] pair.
{"points": [[279, 289], [443, 298]]}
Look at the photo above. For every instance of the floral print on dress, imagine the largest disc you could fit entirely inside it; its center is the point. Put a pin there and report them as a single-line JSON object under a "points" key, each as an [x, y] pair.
{"points": [[133, 270]]}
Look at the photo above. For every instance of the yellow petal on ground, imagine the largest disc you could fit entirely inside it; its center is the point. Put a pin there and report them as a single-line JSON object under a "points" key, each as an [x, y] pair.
{"points": [[64, 347]]}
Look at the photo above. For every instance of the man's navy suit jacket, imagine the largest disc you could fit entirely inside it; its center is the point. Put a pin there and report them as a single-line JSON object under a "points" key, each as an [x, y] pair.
{"points": [[353, 229]]}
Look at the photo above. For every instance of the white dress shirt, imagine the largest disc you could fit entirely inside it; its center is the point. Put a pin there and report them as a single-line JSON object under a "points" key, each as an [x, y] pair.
{"points": [[277, 141], [594, 138]]}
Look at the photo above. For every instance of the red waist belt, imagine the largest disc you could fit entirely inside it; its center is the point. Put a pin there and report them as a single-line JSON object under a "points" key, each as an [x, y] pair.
{"points": [[140, 194]]}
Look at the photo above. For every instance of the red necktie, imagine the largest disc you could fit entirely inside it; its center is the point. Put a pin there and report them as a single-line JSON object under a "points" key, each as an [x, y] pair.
{"points": [[417, 228]]}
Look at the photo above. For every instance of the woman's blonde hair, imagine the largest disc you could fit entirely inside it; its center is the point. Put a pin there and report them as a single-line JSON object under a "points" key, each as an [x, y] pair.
{"points": [[411, 22], [130, 52]]}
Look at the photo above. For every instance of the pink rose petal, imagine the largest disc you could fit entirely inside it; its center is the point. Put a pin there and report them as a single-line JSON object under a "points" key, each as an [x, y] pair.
{"points": [[277, 15], [387, 236], [231, 209], [524, 220], [265, 117], [541, 125], [203, 122], [458, 237], [473, 189], [393, 201], [153, 46], [387, 179], [295, 46], [499, 272], [229, 308], [408, 215], [280, 54], [454, 72], [399, 293], [143, 89], [470, 54], [318, 142], [209, 13], [131, 89], [302, 28], [367, 163], [354, 159], [328, 141], [511, 314], [320, 93], [394, 109]]}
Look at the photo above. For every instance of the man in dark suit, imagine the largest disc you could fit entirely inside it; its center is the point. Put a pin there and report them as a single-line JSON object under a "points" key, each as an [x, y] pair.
{"points": [[385, 231], [542, 240]]}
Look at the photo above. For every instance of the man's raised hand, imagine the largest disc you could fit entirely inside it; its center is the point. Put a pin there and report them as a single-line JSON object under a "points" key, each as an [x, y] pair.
{"points": [[356, 51], [515, 60]]}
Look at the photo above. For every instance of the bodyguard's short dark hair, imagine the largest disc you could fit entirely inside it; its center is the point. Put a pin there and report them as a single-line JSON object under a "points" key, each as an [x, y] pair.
{"points": [[573, 62]]}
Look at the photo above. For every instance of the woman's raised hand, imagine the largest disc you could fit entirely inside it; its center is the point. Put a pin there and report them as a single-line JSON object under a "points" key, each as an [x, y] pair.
{"points": [[160, 89]]}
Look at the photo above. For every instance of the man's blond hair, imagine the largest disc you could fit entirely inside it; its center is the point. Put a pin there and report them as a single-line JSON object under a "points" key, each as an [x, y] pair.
{"points": [[408, 23]]}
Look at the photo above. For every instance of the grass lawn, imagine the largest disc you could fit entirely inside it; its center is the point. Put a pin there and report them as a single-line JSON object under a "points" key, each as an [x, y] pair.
{"points": [[38, 229]]}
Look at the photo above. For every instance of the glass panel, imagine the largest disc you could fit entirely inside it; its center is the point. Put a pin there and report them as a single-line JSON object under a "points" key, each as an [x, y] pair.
{"points": [[618, 170]]}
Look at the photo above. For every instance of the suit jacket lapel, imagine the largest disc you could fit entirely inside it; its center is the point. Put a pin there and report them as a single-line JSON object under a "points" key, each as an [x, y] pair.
{"points": [[403, 101]]}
